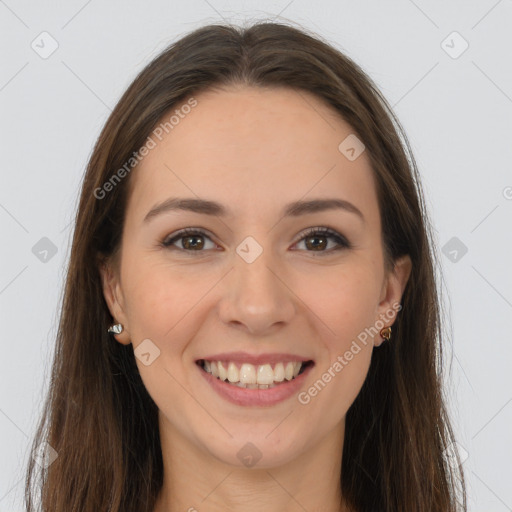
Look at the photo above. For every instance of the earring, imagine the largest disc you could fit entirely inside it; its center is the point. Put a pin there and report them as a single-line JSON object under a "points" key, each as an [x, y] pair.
{"points": [[385, 332], [116, 328]]}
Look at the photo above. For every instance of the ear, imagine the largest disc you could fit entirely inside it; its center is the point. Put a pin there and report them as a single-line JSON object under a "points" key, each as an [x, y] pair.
{"points": [[392, 291], [114, 298]]}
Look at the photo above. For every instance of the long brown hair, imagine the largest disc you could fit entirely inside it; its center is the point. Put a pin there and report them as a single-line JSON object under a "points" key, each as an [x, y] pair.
{"points": [[98, 416]]}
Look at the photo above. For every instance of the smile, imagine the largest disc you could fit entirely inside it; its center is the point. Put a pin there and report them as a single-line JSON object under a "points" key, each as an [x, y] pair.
{"points": [[247, 375], [245, 383]]}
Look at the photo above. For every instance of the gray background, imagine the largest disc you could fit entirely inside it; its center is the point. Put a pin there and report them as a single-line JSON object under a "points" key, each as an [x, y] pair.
{"points": [[456, 109]]}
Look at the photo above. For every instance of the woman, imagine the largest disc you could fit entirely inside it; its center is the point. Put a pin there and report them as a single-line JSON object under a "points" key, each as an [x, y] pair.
{"points": [[250, 319]]}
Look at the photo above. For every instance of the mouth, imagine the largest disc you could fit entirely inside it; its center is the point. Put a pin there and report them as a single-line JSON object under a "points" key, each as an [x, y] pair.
{"points": [[254, 376]]}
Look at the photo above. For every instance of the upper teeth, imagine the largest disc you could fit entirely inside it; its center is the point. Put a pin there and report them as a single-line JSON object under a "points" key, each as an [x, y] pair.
{"points": [[251, 374]]}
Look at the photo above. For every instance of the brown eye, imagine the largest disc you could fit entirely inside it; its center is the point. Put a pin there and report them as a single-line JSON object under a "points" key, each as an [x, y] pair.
{"points": [[191, 240], [317, 240]]}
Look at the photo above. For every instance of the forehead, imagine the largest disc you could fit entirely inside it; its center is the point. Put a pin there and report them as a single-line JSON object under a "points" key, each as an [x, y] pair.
{"points": [[252, 148]]}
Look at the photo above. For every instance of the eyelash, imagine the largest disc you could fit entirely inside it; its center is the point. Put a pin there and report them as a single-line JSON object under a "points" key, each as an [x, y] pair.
{"points": [[322, 231]]}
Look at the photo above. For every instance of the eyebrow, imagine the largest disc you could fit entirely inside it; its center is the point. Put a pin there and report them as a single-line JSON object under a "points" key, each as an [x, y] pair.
{"points": [[294, 209]]}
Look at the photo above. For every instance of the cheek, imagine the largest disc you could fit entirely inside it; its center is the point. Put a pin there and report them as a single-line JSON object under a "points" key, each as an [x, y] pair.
{"points": [[345, 302], [337, 384], [159, 296], [345, 307], [161, 308], [350, 310]]}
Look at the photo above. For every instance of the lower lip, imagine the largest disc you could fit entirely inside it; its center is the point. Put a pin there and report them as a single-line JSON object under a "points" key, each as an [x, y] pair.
{"points": [[256, 397]]}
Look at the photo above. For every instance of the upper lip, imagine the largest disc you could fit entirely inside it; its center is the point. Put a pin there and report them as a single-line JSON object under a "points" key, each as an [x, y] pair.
{"points": [[259, 359]]}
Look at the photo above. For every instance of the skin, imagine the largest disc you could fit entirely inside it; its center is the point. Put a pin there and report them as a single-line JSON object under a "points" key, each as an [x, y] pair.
{"points": [[253, 150]]}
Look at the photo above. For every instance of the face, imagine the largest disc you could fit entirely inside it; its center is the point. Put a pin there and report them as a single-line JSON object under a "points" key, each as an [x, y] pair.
{"points": [[254, 283]]}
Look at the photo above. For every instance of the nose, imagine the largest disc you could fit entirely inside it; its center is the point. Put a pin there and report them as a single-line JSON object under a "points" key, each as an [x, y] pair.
{"points": [[256, 296]]}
